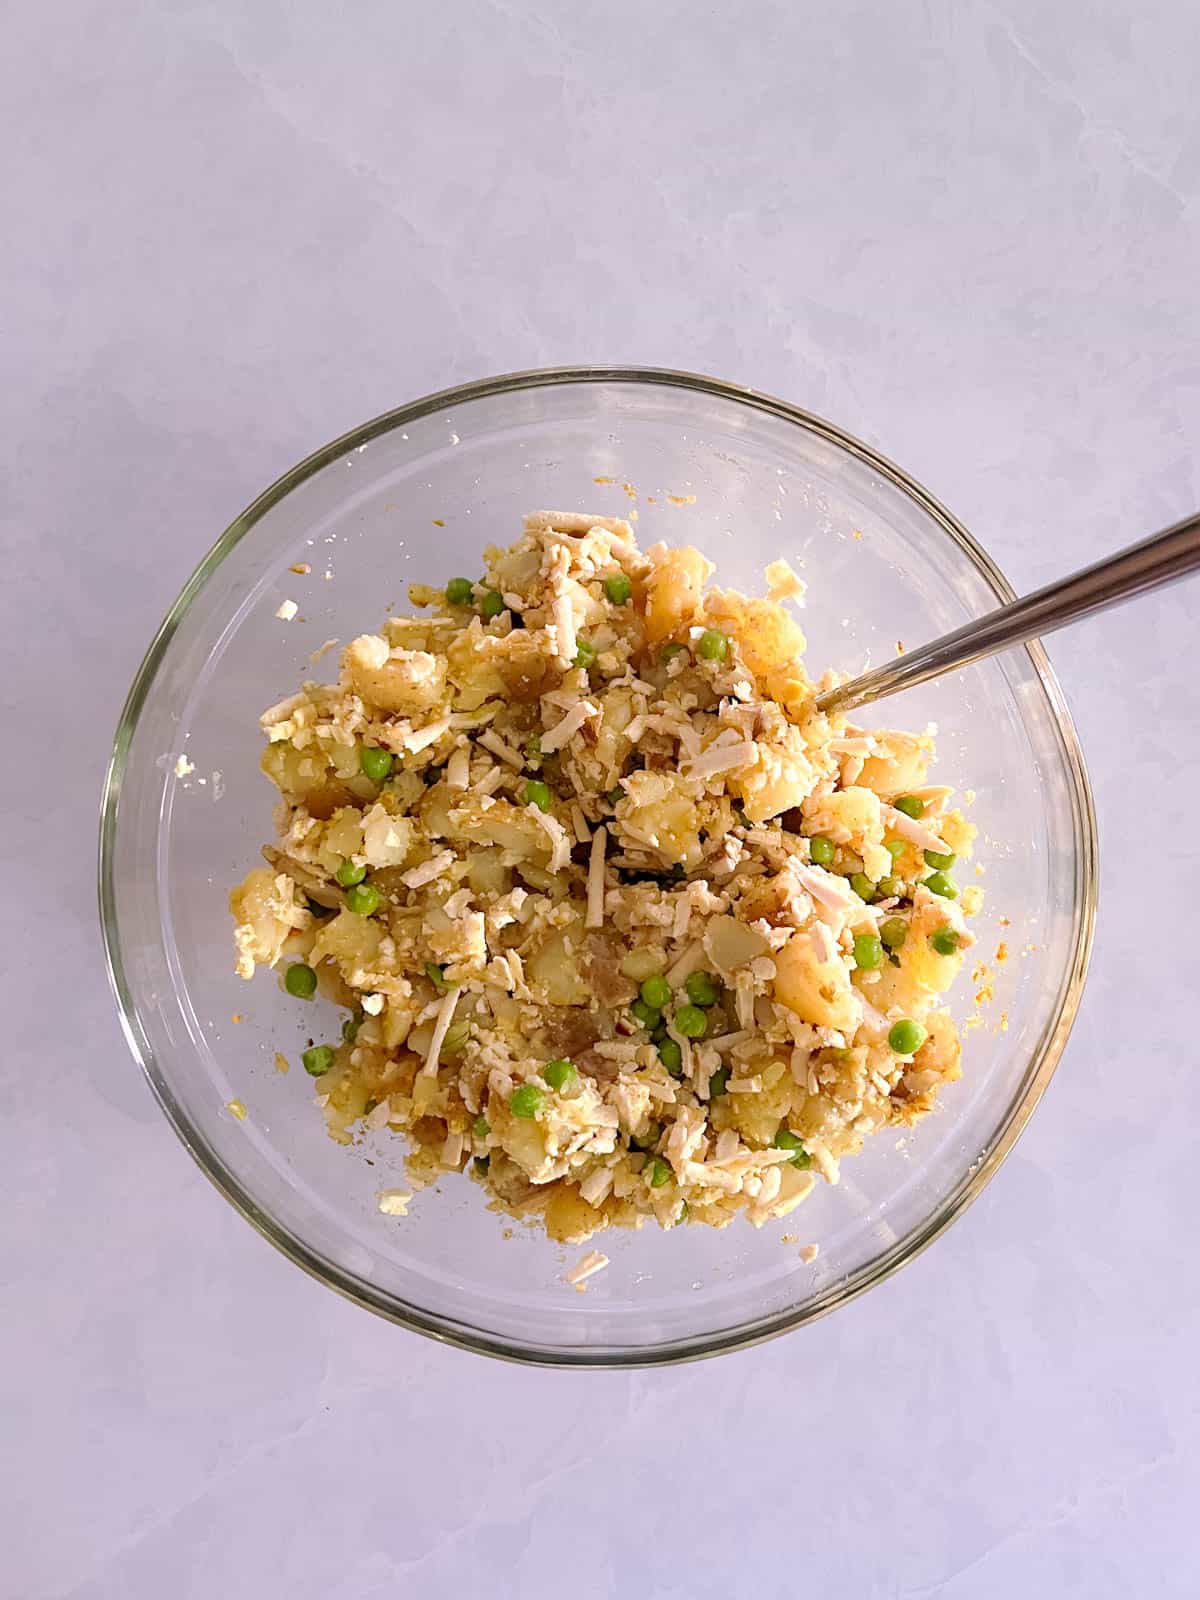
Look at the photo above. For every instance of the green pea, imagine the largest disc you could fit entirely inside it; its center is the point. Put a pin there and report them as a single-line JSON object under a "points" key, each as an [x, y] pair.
{"points": [[437, 977], [481, 1127], [910, 806], [537, 793], [317, 1060], [459, 592], [491, 605], [701, 990], [375, 763], [890, 888], [647, 1015], [895, 848], [893, 932], [669, 651], [656, 992], [615, 796], [363, 899], [943, 860], [785, 1139], [585, 653], [863, 887], [559, 1073], [300, 980], [671, 1056], [868, 951], [944, 941], [658, 1171], [821, 850], [691, 1022], [350, 1029], [618, 588], [527, 1101], [348, 874], [906, 1037], [942, 883], [718, 1083], [713, 645]]}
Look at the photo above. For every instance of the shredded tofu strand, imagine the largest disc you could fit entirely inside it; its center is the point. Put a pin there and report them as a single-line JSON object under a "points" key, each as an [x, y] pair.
{"points": [[445, 1017], [560, 844], [690, 961], [569, 726], [912, 830], [421, 738], [595, 885], [565, 643], [492, 741], [458, 769]]}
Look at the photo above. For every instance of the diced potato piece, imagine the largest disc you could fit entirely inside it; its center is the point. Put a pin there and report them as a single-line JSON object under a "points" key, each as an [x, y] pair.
{"points": [[730, 944], [266, 909], [673, 592], [852, 816], [306, 776], [658, 811], [402, 682], [522, 1138], [569, 1218], [553, 970], [386, 839], [642, 963], [341, 839], [818, 991], [487, 873], [611, 744], [769, 639], [942, 1050], [349, 939], [919, 961], [474, 663], [901, 764], [782, 777], [757, 1116]]}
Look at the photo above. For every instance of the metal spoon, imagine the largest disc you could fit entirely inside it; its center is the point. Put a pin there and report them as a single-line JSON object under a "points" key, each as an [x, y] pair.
{"points": [[1163, 558]]}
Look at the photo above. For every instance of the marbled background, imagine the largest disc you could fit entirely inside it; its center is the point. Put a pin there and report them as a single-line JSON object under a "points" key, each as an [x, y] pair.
{"points": [[966, 231]]}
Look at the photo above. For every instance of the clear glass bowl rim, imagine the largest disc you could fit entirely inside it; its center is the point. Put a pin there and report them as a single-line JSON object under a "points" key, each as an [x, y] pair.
{"points": [[1054, 1035]]}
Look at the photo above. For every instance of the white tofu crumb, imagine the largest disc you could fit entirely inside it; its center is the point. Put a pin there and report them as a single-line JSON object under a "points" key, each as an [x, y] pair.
{"points": [[287, 611], [595, 1261], [394, 1202], [183, 766], [372, 1004]]}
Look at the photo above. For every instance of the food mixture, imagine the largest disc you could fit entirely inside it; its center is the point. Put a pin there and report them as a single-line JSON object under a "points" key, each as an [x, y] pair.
{"points": [[624, 928]]}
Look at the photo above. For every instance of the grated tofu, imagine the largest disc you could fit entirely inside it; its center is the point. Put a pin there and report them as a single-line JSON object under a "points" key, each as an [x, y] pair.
{"points": [[595, 884]]}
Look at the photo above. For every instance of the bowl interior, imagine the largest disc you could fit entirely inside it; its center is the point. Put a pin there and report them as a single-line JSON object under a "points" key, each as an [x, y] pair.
{"points": [[416, 497]]}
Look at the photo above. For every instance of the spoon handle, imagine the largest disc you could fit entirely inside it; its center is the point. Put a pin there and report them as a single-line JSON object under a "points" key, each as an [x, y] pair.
{"points": [[1163, 558]]}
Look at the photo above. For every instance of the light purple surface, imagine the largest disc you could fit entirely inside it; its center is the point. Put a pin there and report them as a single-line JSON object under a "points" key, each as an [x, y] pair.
{"points": [[967, 232]]}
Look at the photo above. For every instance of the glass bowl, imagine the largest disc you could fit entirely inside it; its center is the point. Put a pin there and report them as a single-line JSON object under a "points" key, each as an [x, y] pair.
{"points": [[415, 495]]}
